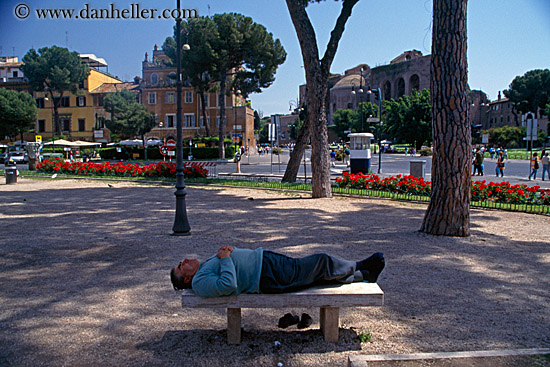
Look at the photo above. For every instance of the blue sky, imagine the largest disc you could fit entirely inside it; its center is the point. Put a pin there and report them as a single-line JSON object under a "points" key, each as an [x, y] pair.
{"points": [[506, 38]]}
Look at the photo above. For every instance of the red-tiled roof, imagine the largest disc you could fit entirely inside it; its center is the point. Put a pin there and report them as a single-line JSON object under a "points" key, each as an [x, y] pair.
{"points": [[114, 87]]}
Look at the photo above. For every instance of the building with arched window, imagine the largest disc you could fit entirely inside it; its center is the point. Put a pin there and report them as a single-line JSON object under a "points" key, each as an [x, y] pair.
{"points": [[407, 72]]}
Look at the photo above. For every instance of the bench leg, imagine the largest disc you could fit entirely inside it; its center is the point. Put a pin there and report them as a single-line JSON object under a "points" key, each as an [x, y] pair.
{"points": [[233, 326], [329, 323]]}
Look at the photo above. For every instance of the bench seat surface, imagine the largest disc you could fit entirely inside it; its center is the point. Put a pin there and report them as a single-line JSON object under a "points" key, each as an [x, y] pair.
{"points": [[341, 295]]}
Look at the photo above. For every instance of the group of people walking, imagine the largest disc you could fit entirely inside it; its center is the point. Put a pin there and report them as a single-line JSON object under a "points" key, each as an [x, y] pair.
{"points": [[536, 163], [500, 154]]}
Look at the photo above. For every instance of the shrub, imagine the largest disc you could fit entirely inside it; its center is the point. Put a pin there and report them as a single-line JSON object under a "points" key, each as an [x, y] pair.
{"points": [[425, 152]]}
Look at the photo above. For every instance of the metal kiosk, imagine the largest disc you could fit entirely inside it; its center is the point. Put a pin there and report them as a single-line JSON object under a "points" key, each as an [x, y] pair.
{"points": [[360, 154]]}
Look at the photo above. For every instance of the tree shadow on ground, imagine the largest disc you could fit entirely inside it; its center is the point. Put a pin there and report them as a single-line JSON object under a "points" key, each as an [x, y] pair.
{"points": [[85, 273]]}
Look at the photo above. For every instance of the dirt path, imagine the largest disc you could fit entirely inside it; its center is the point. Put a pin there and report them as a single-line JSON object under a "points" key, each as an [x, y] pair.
{"points": [[84, 277]]}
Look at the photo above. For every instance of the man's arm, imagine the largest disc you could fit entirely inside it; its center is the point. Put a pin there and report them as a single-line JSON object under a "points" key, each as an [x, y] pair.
{"points": [[216, 278]]}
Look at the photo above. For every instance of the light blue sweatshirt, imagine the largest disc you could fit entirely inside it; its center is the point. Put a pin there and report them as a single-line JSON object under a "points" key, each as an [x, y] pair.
{"points": [[230, 276]]}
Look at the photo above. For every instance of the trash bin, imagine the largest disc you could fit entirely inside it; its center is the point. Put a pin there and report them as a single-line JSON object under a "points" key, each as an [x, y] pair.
{"points": [[11, 175], [418, 168]]}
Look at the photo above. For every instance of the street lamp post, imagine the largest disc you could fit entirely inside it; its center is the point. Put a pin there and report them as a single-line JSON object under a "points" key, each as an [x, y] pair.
{"points": [[53, 125], [379, 95], [361, 92], [181, 224]]}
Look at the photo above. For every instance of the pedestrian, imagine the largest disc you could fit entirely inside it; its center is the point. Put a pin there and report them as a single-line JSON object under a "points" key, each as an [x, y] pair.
{"points": [[500, 164], [333, 158], [478, 162], [534, 166], [492, 152], [545, 160], [347, 153]]}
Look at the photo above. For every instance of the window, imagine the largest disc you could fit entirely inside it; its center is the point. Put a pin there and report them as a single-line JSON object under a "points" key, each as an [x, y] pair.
{"points": [[206, 102], [170, 98], [66, 123], [152, 98], [414, 83], [81, 124], [170, 120], [400, 87], [217, 121], [189, 120], [333, 107], [154, 78], [15, 74], [40, 102], [202, 121], [65, 102], [41, 126], [188, 97], [81, 101], [98, 100]]}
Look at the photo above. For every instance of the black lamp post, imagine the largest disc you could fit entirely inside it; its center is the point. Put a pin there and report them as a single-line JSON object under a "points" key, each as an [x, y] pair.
{"points": [[361, 92], [181, 224], [53, 125]]}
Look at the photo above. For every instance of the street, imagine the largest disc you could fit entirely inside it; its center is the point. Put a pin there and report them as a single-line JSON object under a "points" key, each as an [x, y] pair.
{"points": [[516, 171], [274, 166]]}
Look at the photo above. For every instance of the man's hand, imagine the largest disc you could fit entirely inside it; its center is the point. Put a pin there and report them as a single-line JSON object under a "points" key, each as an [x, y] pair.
{"points": [[224, 251]]}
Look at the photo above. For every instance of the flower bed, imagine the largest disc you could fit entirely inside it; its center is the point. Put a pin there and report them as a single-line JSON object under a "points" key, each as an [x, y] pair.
{"points": [[161, 169], [482, 191]]}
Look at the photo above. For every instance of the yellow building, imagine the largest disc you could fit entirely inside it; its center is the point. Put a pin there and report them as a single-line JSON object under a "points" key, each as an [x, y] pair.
{"points": [[81, 115]]}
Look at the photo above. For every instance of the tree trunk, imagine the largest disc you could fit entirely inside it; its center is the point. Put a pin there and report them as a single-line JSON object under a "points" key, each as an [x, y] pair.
{"points": [[203, 110], [317, 120], [297, 153], [449, 210], [221, 99], [317, 72]]}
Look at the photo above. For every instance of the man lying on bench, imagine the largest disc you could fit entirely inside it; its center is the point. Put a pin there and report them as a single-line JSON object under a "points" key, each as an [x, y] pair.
{"points": [[234, 271]]}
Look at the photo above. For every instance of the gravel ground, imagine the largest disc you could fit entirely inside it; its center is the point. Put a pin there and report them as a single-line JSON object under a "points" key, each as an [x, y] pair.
{"points": [[84, 277]]}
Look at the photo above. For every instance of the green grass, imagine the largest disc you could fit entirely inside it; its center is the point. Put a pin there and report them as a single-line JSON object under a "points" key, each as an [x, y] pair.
{"points": [[365, 336]]}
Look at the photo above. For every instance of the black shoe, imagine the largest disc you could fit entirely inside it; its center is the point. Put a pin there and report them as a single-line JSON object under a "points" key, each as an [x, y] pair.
{"points": [[371, 274], [288, 320], [369, 262], [305, 321]]}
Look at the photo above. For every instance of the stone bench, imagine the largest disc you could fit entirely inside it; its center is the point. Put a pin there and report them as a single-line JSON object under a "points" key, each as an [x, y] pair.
{"points": [[328, 298]]}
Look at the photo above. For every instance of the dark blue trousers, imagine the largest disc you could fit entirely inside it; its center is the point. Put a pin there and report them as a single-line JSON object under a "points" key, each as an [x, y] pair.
{"points": [[282, 274]]}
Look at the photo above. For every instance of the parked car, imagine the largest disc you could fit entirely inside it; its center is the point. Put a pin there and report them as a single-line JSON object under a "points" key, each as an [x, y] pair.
{"points": [[17, 157], [3, 157]]}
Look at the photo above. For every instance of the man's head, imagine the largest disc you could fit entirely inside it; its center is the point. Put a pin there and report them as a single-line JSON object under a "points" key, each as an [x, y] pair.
{"points": [[182, 274]]}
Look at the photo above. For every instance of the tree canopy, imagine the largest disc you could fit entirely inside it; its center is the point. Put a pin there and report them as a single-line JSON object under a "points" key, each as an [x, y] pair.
{"points": [[235, 51], [409, 119], [128, 117], [354, 120], [17, 112], [530, 92]]}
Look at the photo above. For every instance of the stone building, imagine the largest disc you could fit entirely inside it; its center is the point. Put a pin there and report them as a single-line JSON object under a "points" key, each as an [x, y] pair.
{"points": [[405, 73], [158, 95]]}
